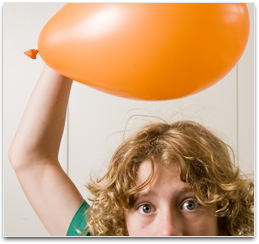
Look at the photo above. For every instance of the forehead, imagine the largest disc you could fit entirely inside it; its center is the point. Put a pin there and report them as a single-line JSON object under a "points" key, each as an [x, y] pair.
{"points": [[160, 171], [146, 166], [166, 179]]}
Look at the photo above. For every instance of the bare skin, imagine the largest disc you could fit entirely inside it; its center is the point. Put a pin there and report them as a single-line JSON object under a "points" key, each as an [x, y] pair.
{"points": [[168, 207], [161, 209], [34, 154]]}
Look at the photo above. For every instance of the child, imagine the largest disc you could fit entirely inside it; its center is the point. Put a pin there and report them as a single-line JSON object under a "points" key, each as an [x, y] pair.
{"points": [[169, 179]]}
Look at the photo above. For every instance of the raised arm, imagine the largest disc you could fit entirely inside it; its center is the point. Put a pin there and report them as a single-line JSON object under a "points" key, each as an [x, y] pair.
{"points": [[34, 153]]}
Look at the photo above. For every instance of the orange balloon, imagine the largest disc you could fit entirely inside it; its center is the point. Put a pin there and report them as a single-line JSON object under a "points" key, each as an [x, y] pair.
{"points": [[150, 51]]}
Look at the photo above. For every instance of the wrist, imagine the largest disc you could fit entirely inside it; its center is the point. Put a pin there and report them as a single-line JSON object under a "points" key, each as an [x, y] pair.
{"points": [[53, 73]]}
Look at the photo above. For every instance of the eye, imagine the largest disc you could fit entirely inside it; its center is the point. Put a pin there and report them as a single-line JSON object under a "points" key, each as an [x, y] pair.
{"points": [[145, 208], [190, 205]]}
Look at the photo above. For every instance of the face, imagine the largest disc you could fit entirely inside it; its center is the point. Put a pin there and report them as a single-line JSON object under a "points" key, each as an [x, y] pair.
{"points": [[168, 207]]}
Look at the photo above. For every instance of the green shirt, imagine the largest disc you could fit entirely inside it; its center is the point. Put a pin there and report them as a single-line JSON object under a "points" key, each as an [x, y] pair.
{"points": [[79, 222]]}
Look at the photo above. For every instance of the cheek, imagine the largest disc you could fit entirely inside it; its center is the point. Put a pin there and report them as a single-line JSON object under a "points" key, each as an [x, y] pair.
{"points": [[129, 223], [206, 225], [135, 226], [132, 224]]}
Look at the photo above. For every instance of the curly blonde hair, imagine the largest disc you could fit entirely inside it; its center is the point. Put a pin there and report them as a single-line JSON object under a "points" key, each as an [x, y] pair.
{"points": [[205, 162]]}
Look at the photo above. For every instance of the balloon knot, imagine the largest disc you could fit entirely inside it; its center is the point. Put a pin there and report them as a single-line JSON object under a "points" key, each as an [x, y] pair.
{"points": [[32, 53]]}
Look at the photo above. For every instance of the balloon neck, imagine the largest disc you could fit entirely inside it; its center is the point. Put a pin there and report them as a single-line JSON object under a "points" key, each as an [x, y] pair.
{"points": [[32, 53]]}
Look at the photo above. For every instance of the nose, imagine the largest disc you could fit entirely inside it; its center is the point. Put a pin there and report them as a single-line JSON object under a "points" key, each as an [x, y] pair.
{"points": [[170, 225]]}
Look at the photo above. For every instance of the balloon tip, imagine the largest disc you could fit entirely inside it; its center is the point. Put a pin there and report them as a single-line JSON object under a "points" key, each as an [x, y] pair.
{"points": [[31, 53]]}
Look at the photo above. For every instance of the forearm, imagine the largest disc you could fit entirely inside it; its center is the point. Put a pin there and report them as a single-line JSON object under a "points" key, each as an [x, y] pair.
{"points": [[40, 131]]}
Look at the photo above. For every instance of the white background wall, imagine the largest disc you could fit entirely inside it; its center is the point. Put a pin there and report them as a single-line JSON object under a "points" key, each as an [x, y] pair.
{"points": [[96, 121]]}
